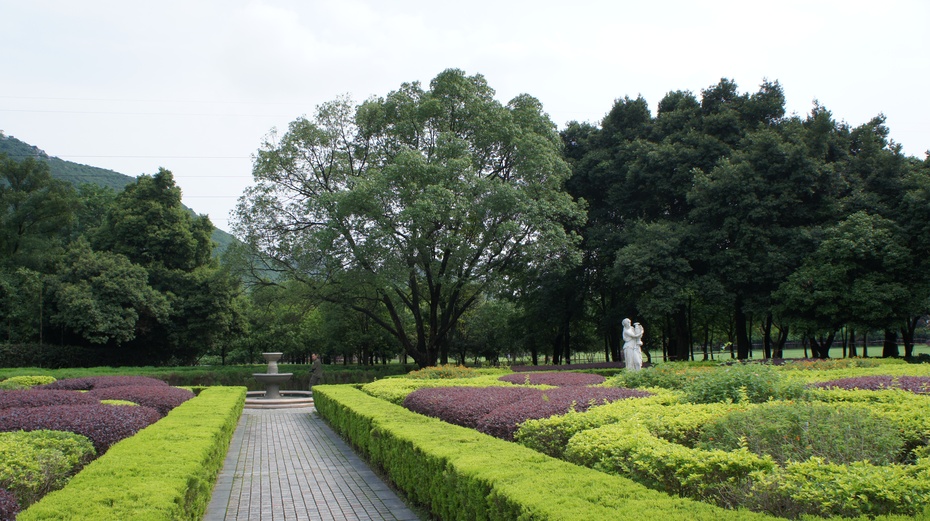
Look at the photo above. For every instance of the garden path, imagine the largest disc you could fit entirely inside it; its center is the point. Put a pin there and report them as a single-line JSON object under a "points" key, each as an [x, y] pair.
{"points": [[286, 464]]}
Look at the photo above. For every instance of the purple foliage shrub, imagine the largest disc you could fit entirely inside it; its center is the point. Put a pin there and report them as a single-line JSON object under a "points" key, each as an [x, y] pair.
{"points": [[103, 424], [161, 398], [464, 405], [33, 398], [503, 422], [99, 382], [914, 384], [567, 367], [9, 507], [557, 379]]}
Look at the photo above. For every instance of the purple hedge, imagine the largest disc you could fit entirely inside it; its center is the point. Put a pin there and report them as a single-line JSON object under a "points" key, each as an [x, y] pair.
{"points": [[503, 422], [567, 367], [9, 507], [499, 410], [33, 398], [557, 379], [160, 398], [103, 424], [914, 384], [463, 405], [100, 382]]}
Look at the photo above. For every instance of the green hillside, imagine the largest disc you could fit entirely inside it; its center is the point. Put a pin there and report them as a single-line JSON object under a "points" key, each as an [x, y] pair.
{"points": [[78, 174]]}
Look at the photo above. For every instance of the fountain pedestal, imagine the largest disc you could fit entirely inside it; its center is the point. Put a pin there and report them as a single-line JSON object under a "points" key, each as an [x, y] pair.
{"points": [[272, 379], [273, 397]]}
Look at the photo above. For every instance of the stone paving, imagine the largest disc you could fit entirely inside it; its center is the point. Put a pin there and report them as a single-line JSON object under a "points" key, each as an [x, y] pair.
{"points": [[287, 464]]}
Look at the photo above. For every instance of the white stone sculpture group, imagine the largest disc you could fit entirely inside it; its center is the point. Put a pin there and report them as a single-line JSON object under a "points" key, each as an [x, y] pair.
{"points": [[632, 341]]}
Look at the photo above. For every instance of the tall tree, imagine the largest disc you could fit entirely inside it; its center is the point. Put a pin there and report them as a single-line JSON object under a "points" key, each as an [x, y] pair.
{"points": [[422, 200], [148, 225]]}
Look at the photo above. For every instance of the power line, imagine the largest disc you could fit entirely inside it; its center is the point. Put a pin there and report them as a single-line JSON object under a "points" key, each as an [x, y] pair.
{"points": [[112, 113], [130, 100]]}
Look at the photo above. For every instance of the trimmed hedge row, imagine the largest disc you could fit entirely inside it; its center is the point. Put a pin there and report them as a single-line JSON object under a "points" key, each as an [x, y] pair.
{"points": [[166, 471], [459, 473]]}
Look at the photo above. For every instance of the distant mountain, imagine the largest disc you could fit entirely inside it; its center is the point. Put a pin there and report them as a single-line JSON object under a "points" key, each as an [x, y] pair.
{"points": [[78, 174]]}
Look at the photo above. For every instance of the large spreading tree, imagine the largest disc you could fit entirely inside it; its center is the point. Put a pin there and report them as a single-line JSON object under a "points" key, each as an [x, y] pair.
{"points": [[420, 202]]}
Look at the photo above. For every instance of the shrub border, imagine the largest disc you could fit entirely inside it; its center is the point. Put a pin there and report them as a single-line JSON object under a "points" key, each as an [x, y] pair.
{"points": [[459, 473], [166, 471]]}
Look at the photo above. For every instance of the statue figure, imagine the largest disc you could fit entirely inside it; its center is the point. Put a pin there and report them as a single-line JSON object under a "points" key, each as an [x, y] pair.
{"points": [[632, 341]]}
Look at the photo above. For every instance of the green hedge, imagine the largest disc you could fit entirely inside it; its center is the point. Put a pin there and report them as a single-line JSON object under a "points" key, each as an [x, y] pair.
{"points": [[166, 471], [459, 473]]}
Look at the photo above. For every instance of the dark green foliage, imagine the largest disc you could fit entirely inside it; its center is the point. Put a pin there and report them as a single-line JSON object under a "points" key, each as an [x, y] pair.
{"points": [[800, 431]]}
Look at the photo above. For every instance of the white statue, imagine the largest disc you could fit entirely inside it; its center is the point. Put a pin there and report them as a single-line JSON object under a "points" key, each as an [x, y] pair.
{"points": [[632, 341]]}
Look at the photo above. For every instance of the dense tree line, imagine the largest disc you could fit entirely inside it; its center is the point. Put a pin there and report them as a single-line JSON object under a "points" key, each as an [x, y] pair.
{"points": [[720, 216], [130, 274]]}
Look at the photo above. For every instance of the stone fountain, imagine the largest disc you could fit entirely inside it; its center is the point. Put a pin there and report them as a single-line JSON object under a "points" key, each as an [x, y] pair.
{"points": [[272, 378], [273, 397]]}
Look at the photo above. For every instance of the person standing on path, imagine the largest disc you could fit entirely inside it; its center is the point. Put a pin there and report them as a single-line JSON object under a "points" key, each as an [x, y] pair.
{"points": [[316, 371]]}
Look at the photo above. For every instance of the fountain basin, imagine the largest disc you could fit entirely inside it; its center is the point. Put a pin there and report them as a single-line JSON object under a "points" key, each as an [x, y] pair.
{"points": [[288, 399]]}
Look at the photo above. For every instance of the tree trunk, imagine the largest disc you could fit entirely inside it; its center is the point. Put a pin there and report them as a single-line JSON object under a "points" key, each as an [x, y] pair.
{"points": [[680, 337], [742, 333], [767, 337], [907, 336], [890, 345]]}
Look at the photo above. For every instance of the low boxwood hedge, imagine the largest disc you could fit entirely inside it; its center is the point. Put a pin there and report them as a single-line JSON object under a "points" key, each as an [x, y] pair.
{"points": [[166, 471], [459, 473]]}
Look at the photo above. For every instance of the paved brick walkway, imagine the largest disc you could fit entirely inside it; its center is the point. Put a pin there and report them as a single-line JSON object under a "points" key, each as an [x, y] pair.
{"points": [[287, 464]]}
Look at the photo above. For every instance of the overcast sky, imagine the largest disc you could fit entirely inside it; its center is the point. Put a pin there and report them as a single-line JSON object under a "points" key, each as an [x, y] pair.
{"points": [[194, 85]]}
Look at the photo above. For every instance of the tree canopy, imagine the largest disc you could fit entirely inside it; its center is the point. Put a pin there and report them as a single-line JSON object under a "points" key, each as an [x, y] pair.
{"points": [[421, 201]]}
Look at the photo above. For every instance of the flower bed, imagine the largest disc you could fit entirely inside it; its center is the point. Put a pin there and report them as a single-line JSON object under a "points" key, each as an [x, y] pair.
{"points": [[914, 384], [499, 411], [160, 398], [9, 507], [463, 406], [99, 382], [556, 379], [567, 367], [32, 398], [103, 424]]}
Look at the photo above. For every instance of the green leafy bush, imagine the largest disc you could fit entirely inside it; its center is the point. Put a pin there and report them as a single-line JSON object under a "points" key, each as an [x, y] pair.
{"points": [[800, 431], [443, 372], [36, 462], [667, 376], [755, 383], [25, 382]]}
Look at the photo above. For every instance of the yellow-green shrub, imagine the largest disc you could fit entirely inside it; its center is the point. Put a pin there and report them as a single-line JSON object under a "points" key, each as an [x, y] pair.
{"points": [[395, 390], [629, 449], [550, 435], [25, 382], [164, 472], [36, 462]]}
